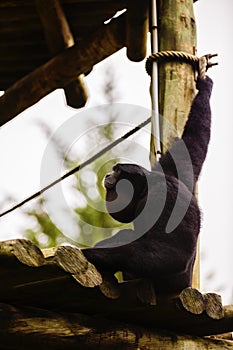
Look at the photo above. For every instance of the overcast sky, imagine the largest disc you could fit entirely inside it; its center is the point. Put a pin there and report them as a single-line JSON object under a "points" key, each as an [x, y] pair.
{"points": [[23, 144]]}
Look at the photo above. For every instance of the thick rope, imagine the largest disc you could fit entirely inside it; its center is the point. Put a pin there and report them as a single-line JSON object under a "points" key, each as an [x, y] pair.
{"points": [[79, 167], [179, 56], [202, 67]]}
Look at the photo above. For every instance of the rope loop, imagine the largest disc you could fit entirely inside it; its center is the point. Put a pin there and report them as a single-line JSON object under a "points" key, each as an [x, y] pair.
{"points": [[180, 56]]}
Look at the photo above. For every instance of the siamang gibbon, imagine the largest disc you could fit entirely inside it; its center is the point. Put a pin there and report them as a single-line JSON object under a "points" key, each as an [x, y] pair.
{"points": [[162, 206]]}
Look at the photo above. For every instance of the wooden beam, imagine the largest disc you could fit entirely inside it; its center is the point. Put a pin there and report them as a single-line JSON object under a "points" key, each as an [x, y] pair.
{"points": [[137, 29], [24, 328], [59, 37], [61, 69], [29, 273]]}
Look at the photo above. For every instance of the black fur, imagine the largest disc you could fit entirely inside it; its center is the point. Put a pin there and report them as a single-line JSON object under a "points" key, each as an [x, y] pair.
{"points": [[162, 206]]}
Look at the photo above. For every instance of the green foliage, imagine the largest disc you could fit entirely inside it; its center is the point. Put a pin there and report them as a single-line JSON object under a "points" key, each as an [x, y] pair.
{"points": [[93, 223], [46, 234]]}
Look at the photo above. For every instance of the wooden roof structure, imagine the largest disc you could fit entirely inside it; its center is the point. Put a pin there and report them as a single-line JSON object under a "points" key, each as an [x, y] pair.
{"points": [[54, 293], [23, 36], [50, 44]]}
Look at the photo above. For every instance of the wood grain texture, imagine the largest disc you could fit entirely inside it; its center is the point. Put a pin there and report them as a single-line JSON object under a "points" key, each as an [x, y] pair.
{"points": [[27, 328], [61, 279], [177, 31]]}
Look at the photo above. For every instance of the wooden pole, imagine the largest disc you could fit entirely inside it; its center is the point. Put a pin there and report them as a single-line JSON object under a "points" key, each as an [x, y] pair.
{"points": [[59, 37], [176, 31], [61, 69]]}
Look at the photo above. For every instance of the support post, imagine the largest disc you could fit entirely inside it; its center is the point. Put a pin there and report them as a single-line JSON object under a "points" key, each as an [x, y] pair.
{"points": [[176, 31]]}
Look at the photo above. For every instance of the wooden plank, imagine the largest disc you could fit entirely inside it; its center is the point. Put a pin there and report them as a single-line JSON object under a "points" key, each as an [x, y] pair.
{"points": [[57, 73], [29, 273], [18, 38], [58, 37], [15, 3], [29, 3], [27, 328], [137, 29], [28, 52], [110, 7], [17, 66], [23, 13], [19, 13], [34, 25]]}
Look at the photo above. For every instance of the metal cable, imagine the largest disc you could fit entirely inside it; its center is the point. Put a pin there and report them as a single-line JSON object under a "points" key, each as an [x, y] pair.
{"points": [[79, 167]]}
